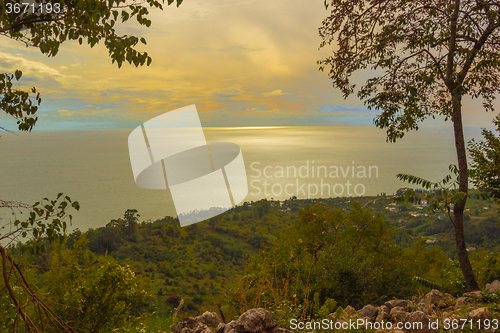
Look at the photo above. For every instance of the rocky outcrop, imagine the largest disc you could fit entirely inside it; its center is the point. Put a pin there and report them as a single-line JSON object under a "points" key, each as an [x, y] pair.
{"points": [[197, 324], [493, 287], [253, 321], [434, 307]]}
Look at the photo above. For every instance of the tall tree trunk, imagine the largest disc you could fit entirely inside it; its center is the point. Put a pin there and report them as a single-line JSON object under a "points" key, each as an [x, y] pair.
{"points": [[458, 209]]}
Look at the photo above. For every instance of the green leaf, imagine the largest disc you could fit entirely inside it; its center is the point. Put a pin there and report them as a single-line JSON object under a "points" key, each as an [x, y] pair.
{"points": [[18, 74]]}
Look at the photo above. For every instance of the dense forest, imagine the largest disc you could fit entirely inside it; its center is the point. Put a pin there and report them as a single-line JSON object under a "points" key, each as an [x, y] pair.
{"points": [[296, 257]]}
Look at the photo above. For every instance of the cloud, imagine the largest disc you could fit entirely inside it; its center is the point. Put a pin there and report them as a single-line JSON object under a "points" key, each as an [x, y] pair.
{"points": [[275, 93]]}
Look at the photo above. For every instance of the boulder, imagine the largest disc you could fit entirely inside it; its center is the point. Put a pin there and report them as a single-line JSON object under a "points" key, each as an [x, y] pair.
{"points": [[253, 321], [460, 303], [384, 308], [350, 311], [418, 317], [369, 311], [209, 318], [192, 325], [344, 316], [435, 296], [398, 313], [398, 302], [383, 314], [494, 286], [425, 309], [473, 294], [480, 314]]}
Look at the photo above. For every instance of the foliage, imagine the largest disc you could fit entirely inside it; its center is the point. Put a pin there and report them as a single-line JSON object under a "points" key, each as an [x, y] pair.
{"points": [[426, 283], [424, 56], [92, 21], [442, 195], [485, 157], [18, 103], [326, 257], [421, 52], [92, 294], [46, 220]]}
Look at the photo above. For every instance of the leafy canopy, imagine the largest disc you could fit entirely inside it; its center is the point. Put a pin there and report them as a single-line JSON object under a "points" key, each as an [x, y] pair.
{"points": [[486, 162], [89, 21], [418, 54]]}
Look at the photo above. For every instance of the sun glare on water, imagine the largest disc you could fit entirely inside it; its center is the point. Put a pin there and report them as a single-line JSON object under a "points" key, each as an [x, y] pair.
{"points": [[251, 127]]}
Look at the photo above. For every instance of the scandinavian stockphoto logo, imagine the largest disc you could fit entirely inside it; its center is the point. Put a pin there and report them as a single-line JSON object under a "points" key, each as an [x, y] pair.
{"points": [[171, 151]]}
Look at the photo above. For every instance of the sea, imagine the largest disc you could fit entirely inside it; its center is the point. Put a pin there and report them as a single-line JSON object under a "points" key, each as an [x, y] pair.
{"points": [[94, 167]]}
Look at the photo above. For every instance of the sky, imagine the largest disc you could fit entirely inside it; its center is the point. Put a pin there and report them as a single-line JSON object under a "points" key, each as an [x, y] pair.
{"points": [[243, 63]]}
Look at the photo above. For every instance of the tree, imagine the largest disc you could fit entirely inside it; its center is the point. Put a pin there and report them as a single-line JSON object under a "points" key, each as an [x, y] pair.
{"points": [[47, 220], [131, 217], [425, 56], [92, 294], [485, 157], [48, 24]]}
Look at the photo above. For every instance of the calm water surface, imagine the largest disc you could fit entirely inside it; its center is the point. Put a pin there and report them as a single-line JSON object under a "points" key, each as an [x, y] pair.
{"points": [[93, 166]]}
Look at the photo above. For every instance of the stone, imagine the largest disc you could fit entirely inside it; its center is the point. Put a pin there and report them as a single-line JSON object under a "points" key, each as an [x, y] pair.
{"points": [[397, 302], [256, 320], [432, 297], [473, 294], [398, 313], [253, 321], [384, 308], [220, 328], [460, 303], [210, 319], [425, 309], [369, 311], [493, 287], [418, 317], [382, 315], [442, 305], [480, 314], [350, 311], [280, 330], [190, 325], [435, 296]]}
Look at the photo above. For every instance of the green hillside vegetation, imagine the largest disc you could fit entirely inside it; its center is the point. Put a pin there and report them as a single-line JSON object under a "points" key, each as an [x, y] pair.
{"points": [[298, 258]]}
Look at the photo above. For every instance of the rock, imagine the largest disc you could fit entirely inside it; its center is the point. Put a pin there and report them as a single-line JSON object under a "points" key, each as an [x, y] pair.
{"points": [[281, 330], [209, 319], [369, 311], [415, 299], [425, 309], [190, 325], [434, 297], [494, 286], [253, 321], [347, 313], [220, 328], [383, 315], [442, 305], [397, 302], [384, 308], [480, 314], [398, 313], [418, 317], [473, 294], [460, 303], [350, 311]]}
